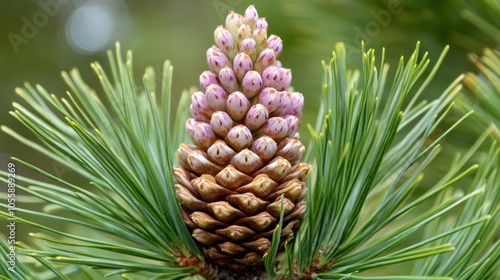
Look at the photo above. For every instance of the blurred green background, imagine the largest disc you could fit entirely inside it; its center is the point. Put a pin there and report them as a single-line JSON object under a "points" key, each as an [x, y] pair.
{"points": [[39, 39]]}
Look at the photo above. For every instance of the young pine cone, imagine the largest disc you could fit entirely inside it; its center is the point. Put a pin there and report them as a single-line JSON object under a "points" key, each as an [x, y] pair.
{"points": [[247, 150]]}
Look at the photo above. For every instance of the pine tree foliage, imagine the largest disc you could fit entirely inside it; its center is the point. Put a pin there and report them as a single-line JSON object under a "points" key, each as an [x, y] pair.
{"points": [[482, 91], [481, 261], [123, 153], [484, 15], [484, 88], [357, 161], [369, 151]]}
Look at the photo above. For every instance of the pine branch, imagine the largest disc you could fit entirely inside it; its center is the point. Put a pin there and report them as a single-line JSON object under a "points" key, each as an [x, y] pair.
{"points": [[475, 254], [356, 155], [483, 89], [484, 92], [124, 152], [484, 15]]}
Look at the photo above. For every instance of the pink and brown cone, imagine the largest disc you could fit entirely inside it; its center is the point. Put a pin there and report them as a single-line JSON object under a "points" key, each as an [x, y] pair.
{"points": [[246, 153]]}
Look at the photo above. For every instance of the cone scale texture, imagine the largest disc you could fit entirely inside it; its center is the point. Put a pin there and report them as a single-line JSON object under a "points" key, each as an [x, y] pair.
{"points": [[246, 153]]}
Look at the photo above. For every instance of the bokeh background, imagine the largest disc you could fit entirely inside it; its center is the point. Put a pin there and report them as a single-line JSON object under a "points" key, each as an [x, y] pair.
{"points": [[39, 39]]}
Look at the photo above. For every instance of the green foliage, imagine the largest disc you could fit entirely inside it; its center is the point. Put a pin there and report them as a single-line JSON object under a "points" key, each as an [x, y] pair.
{"points": [[370, 149], [124, 153], [475, 256], [484, 89], [484, 15], [481, 95], [358, 202]]}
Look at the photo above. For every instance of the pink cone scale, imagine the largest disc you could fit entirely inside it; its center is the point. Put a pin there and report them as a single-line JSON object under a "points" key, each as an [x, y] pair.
{"points": [[260, 37], [203, 136], [246, 152], [190, 126], [200, 109], [250, 16], [249, 47], [256, 116], [270, 98], [216, 97], [225, 41], [297, 104], [265, 147], [221, 123], [239, 137], [271, 77], [217, 60], [243, 32], [228, 79], [261, 23], [233, 22], [251, 84], [242, 64], [285, 78], [293, 125], [237, 105], [285, 104], [266, 58], [276, 44], [207, 78]]}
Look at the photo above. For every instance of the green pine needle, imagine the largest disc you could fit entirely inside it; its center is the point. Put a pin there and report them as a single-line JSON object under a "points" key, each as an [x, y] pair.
{"points": [[369, 150], [125, 153], [484, 89], [358, 160]]}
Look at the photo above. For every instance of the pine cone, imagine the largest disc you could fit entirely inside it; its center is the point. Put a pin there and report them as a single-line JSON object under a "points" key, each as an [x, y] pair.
{"points": [[247, 150]]}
